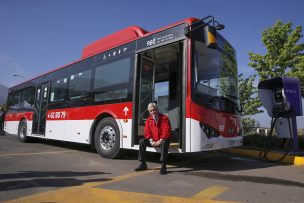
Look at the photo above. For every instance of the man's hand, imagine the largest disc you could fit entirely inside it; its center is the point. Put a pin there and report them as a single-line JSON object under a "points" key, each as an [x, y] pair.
{"points": [[158, 143], [152, 142], [155, 144]]}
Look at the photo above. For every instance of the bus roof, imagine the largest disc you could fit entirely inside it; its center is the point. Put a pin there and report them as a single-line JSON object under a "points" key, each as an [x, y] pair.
{"points": [[121, 37]]}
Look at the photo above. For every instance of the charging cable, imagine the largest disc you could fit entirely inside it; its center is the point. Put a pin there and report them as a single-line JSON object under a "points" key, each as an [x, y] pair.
{"points": [[267, 147]]}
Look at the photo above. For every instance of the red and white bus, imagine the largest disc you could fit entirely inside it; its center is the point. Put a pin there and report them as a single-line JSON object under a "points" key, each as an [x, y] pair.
{"points": [[102, 98]]}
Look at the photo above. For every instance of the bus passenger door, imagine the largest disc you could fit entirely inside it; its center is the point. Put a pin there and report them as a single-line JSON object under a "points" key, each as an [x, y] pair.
{"points": [[146, 88], [159, 78], [41, 101]]}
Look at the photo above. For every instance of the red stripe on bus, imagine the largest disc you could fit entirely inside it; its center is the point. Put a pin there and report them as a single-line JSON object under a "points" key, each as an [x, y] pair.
{"points": [[118, 111], [19, 116], [228, 125]]}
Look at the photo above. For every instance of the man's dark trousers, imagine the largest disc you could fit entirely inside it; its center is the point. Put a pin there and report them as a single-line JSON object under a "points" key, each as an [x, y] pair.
{"points": [[164, 146], [2, 128]]}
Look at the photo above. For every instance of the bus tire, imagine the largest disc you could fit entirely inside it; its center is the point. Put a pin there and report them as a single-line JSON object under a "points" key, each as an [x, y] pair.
{"points": [[107, 138], [22, 131]]}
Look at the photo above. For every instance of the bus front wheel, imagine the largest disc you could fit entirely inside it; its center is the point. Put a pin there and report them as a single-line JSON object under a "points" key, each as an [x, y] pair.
{"points": [[107, 138], [22, 131]]}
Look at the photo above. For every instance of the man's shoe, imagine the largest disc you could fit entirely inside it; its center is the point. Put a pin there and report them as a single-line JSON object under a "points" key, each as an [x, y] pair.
{"points": [[142, 166], [163, 170]]}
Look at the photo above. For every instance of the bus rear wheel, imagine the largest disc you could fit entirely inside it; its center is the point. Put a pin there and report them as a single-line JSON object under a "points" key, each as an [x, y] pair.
{"points": [[22, 131], [107, 138]]}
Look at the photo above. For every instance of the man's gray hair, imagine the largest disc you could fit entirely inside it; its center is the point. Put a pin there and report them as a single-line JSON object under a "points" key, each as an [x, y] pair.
{"points": [[152, 105]]}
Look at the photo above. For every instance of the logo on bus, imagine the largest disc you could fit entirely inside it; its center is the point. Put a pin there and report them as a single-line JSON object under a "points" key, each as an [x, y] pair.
{"points": [[151, 42], [221, 127]]}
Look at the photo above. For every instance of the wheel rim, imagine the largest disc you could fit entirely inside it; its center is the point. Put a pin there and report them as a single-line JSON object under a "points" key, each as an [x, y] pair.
{"points": [[22, 131], [107, 138]]}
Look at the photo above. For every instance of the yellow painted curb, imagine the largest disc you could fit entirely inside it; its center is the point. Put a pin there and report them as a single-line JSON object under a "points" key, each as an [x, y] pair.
{"points": [[289, 159]]}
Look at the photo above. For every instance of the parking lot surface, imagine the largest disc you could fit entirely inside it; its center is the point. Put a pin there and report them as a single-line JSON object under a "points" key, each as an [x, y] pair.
{"points": [[50, 171]]}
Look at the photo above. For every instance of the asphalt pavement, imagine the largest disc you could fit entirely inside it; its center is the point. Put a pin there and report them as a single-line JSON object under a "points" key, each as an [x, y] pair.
{"points": [[52, 171]]}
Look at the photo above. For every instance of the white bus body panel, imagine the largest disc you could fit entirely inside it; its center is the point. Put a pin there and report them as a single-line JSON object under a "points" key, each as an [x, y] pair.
{"points": [[188, 135], [125, 133], [11, 127], [54, 129], [69, 130], [77, 131], [200, 142]]}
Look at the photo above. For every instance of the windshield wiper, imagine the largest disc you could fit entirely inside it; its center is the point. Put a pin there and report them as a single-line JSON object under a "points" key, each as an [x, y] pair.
{"points": [[209, 103], [226, 98], [231, 96], [233, 99]]}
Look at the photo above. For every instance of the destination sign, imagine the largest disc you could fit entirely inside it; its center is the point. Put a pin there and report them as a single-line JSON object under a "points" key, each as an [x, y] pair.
{"points": [[160, 38]]}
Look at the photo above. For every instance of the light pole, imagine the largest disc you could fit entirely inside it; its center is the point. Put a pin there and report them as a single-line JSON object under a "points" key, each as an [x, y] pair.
{"points": [[15, 75]]}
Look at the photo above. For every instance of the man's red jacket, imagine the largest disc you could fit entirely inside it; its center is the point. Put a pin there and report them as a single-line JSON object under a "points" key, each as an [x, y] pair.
{"points": [[159, 130]]}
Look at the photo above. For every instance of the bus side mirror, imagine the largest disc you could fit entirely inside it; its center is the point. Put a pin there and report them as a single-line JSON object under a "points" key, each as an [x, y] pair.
{"points": [[210, 36]]}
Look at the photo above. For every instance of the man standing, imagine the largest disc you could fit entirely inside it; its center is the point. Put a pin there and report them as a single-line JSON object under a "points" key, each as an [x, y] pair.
{"points": [[157, 134], [2, 118]]}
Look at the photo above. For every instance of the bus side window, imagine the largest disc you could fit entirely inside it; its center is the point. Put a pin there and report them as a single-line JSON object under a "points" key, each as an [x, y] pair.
{"points": [[16, 99], [112, 80], [80, 84], [58, 90], [27, 100]]}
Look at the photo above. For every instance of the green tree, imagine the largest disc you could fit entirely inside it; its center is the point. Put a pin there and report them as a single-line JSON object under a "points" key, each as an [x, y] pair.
{"points": [[285, 54], [3, 106], [248, 95], [228, 82], [248, 123], [249, 101]]}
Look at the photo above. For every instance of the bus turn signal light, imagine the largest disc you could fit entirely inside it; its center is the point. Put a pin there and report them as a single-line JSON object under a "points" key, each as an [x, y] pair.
{"points": [[210, 36]]}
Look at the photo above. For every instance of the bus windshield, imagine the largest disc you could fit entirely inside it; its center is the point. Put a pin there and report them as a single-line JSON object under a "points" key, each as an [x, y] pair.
{"points": [[215, 76]]}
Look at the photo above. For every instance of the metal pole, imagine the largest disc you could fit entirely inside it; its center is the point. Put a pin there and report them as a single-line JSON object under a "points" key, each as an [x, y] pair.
{"points": [[295, 140]]}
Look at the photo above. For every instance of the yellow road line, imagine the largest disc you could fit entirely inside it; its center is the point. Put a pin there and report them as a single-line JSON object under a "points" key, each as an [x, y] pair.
{"points": [[210, 192], [91, 194], [122, 177], [34, 153], [88, 193], [64, 194], [105, 195]]}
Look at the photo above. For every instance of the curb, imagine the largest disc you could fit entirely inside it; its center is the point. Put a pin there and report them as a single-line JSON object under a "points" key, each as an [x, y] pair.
{"points": [[289, 159]]}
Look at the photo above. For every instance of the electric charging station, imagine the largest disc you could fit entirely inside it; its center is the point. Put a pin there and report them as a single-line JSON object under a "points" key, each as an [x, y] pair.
{"points": [[281, 97]]}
